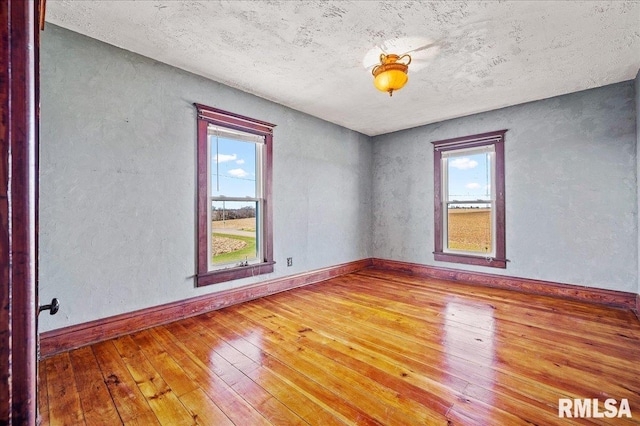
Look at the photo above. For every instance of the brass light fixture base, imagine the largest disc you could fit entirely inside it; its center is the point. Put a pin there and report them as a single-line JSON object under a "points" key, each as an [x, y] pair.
{"points": [[391, 74]]}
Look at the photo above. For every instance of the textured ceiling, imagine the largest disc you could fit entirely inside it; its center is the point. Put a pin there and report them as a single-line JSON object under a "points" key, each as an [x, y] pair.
{"points": [[311, 55]]}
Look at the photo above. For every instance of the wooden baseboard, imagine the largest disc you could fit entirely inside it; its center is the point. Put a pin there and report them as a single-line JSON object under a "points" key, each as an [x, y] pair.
{"points": [[618, 299], [75, 336]]}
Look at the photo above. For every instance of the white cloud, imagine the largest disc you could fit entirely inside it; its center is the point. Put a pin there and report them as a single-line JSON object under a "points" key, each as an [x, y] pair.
{"points": [[238, 173], [223, 158], [240, 161], [473, 185], [463, 163]]}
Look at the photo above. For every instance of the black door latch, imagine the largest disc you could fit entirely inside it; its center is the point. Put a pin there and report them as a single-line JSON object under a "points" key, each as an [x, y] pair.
{"points": [[52, 308]]}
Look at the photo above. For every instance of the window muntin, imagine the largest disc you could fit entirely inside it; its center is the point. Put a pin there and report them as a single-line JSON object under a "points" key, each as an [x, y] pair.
{"points": [[469, 200], [234, 189]]}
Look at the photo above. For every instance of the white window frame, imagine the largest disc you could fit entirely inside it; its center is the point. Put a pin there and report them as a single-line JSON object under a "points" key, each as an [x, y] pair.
{"points": [[259, 142], [488, 149]]}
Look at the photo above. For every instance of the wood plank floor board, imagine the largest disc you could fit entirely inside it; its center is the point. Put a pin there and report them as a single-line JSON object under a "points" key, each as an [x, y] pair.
{"points": [[447, 289], [613, 363], [526, 313], [373, 383], [65, 408], [564, 392], [196, 343], [263, 401], [267, 404], [525, 408], [504, 416], [43, 395], [368, 409], [131, 404], [296, 400], [233, 405], [341, 410], [552, 352], [203, 410], [97, 405], [618, 357], [372, 347], [466, 339], [410, 384], [507, 299], [165, 365], [505, 357], [281, 391], [164, 403], [372, 396], [423, 368], [513, 387], [425, 363]]}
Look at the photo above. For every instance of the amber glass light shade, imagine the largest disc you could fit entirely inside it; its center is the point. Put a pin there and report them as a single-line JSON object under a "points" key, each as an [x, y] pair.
{"points": [[391, 74]]}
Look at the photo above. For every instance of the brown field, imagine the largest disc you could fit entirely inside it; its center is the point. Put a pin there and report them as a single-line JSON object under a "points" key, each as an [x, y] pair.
{"points": [[470, 229], [248, 224], [222, 245], [233, 246]]}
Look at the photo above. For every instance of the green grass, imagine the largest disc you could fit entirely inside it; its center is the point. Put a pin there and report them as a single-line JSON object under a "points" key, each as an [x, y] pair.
{"points": [[249, 251]]}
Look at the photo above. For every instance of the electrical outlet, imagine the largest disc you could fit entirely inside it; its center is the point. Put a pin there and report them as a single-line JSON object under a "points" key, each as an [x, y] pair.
{"points": [[289, 261]]}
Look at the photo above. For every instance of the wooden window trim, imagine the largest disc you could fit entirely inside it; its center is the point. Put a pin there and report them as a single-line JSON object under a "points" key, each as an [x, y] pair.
{"points": [[483, 139], [208, 115]]}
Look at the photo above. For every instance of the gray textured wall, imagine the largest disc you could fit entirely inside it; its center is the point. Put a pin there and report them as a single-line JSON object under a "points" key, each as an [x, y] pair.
{"points": [[117, 193], [117, 187], [571, 195]]}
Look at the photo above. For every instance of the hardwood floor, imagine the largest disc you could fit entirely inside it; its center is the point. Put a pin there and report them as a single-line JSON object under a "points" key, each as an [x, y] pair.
{"points": [[372, 347]]}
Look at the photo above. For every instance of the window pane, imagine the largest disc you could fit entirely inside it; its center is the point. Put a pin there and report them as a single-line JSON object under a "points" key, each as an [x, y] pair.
{"points": [[469, 227], [233, 167], [234, 230], [469, 177]]}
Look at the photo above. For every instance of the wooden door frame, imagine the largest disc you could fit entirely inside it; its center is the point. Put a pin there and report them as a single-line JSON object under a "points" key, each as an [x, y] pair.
{"points": [[19, 50]]}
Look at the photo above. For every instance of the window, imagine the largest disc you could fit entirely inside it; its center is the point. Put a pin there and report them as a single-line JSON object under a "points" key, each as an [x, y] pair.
{"points": [[234, 194], [469, 200]]}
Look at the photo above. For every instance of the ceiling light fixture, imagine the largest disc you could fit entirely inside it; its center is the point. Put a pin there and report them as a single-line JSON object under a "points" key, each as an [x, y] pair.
{"points": [[391, 74]]}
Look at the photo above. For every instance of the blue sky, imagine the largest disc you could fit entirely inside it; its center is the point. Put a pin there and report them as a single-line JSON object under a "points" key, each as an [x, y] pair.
{"points": [[468, 178], [236, 164]]}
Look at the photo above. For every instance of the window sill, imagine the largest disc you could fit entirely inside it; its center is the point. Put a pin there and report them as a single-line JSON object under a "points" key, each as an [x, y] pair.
{"points": [[470, 260], [234, 273]]}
